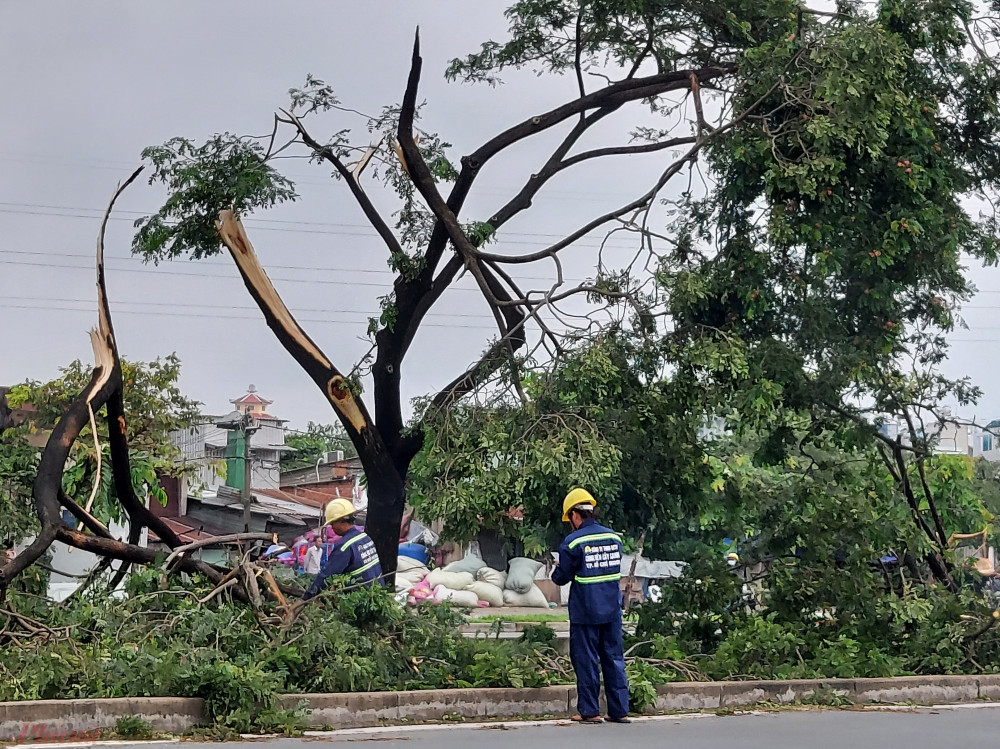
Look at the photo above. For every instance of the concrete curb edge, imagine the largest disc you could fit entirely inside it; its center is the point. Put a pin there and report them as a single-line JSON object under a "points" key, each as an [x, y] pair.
{"points": [[68, 720]]}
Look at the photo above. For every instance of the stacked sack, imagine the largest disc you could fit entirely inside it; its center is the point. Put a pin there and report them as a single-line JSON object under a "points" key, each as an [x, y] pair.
{"points": [[470, 582], [409, 572]]}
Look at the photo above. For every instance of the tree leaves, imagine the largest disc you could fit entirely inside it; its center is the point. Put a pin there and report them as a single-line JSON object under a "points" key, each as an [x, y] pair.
{"points": [[226, 172], [154, 407]]}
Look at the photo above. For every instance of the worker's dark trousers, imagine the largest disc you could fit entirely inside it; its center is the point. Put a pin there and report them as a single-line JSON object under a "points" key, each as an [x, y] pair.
{"points": [[596, 648]]}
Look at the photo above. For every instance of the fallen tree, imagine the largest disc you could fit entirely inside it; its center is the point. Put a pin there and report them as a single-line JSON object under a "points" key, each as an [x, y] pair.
{"points": [[105, 389]]}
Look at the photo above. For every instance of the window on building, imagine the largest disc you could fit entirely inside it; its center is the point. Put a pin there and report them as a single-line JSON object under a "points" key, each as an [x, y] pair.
{"points": [[987, 442]]}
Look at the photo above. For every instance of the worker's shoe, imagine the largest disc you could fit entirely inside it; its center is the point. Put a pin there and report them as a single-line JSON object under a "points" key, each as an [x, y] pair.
{"points": [[587, 719], [624, 719]]}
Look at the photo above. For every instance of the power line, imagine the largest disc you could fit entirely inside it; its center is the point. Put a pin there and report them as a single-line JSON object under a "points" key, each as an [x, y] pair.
{"points": [[338, 229], [244, 318], [323, 321], [326, 269], [116, 302], [198, 275], [298, 178]]}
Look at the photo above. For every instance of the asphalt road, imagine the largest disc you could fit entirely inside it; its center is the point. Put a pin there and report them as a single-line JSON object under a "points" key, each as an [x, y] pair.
{"points": [[833, 729]]}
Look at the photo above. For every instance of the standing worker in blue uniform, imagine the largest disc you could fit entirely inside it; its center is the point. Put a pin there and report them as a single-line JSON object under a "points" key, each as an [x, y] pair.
{"points": [[353, 556], [590, 558]]}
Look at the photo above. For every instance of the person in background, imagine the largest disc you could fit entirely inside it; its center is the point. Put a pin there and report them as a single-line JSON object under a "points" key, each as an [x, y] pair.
{"points": [[314, 557], [353, 556], [590, 558]]}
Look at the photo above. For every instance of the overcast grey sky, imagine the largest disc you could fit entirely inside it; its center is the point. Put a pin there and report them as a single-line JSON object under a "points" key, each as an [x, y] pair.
{"points": [[85, 86]]}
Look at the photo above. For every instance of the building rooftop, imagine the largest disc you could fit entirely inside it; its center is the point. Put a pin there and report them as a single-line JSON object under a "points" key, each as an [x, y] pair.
{"points": [[187, 530], [316, 497]]}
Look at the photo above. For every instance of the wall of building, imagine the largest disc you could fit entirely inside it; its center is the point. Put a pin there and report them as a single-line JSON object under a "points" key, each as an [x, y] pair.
{"points": [[948, 438], [204, 447], [986, 444]]}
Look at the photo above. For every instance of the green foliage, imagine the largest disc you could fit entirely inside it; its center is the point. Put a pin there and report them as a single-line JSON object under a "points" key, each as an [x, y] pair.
{"points": [[544, 34], [158, 641], [642, 681], [480, 462], [133, 727], [539, 634], [227, 172], [923, 631], [18, 464], [154, 407], [695, 612], [801, 297], [312, 444]]}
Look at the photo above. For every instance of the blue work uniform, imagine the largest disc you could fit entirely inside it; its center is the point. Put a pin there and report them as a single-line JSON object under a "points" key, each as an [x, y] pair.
{"points": [[353, 556], [590, 558]]}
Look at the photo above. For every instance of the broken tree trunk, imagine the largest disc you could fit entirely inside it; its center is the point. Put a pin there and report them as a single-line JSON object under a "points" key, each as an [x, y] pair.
{"points": [[386, 490], [104, 389]]}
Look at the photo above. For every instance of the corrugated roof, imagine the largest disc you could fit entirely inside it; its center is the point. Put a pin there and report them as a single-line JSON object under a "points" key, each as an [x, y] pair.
{"points": [[185, 531], [316, 498], [284, 503]]}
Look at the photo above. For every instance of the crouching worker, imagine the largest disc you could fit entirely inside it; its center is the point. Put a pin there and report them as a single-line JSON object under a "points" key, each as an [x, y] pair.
{"points": [[590, 558], [353, 556]]}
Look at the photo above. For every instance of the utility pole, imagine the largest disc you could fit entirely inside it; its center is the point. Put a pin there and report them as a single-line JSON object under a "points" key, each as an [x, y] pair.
{"points": [[241, 427], [248, 426]]}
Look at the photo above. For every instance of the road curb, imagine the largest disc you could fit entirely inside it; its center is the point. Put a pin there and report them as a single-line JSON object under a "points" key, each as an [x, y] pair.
{"points": [[74, 721], [365, 709], [77, 721]]}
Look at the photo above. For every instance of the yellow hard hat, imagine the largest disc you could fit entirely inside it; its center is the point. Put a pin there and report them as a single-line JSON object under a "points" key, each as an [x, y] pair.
{"points": [[337, 509], [577, 497]]}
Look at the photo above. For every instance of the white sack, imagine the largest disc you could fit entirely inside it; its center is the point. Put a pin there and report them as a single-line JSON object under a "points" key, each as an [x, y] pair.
{"points": [[492, 594], [492, 576], [453, 580], [533, 599]]}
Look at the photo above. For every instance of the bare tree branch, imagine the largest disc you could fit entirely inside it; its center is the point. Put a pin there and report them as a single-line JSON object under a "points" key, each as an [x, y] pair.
{"points": [[370, 211], [424, 182]]}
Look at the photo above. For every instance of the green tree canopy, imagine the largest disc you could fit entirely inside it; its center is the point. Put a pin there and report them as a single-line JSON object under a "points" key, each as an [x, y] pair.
{"points": [[804, 233], [313, 443], [154, 407]]}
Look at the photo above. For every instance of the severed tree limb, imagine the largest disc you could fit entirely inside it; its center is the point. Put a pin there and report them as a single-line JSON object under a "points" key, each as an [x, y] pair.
{"points": [[47, 490], [295, 340], [115, 549], [386, 490], [195, 545], [138, 514], [272, 585], [248, 577], [104, 389], [91, 523], [218, 589], [48, 482]]}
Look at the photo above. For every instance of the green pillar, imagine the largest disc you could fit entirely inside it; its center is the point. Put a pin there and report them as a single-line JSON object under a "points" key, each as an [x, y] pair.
{"points": [[236, 451]]}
